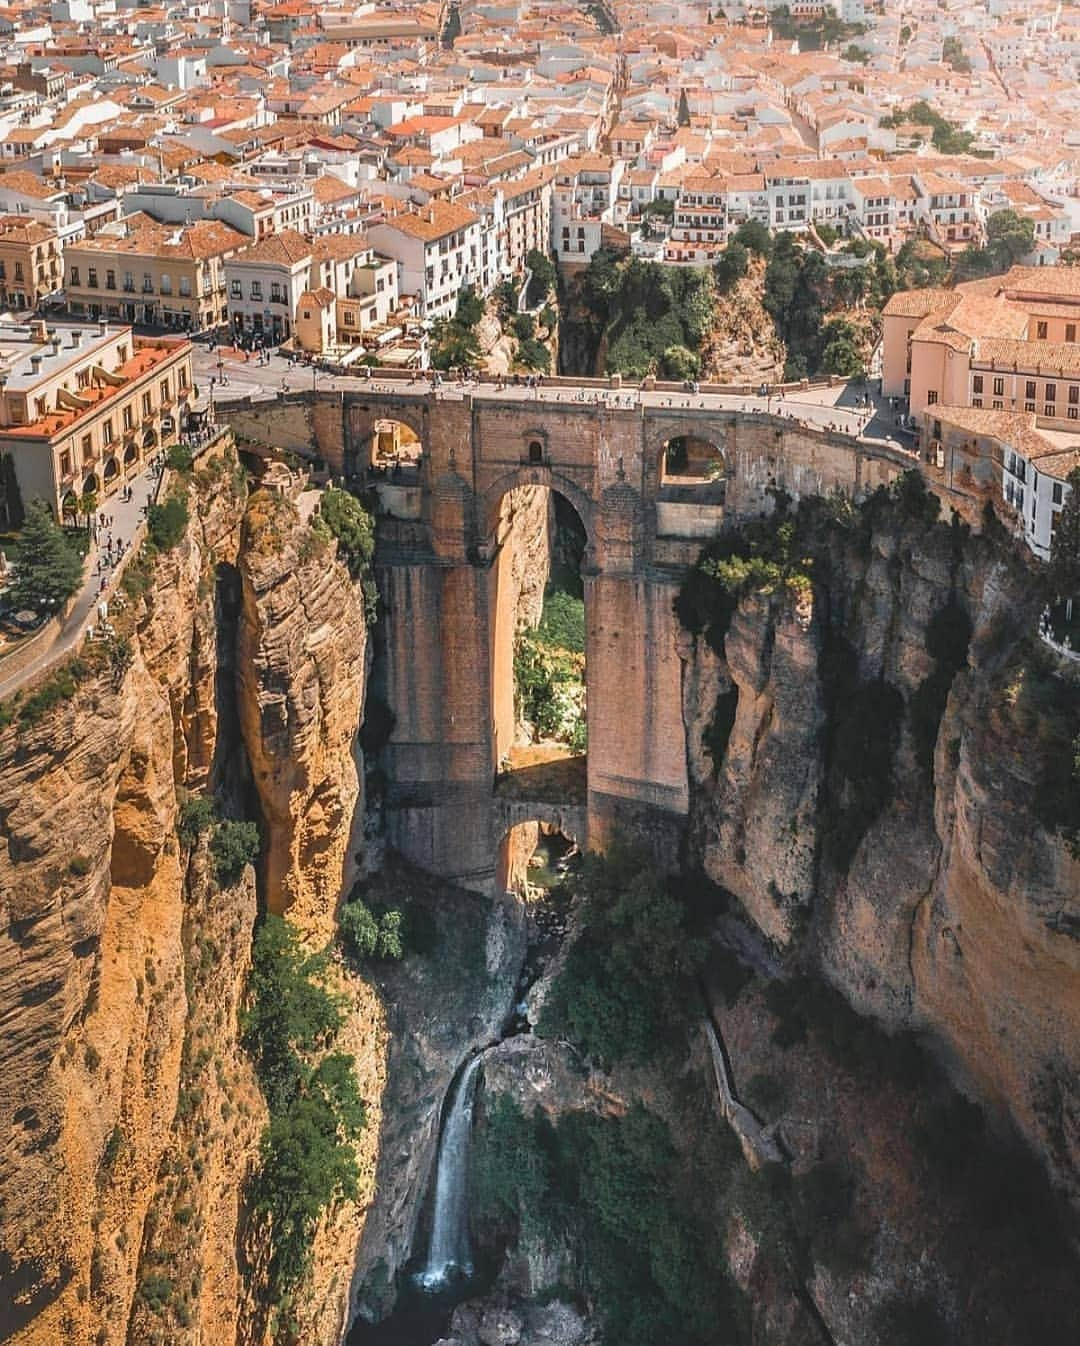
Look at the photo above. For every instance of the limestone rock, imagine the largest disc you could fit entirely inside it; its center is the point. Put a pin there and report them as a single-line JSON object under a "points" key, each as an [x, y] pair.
{"points": [[301, 665]]}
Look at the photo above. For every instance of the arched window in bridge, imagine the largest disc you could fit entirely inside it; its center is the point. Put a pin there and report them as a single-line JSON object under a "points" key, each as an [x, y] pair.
{"points": [[536, 452]]}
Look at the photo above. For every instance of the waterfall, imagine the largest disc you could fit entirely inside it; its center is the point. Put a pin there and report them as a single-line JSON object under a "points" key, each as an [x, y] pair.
{"points": [[448, 1251]]}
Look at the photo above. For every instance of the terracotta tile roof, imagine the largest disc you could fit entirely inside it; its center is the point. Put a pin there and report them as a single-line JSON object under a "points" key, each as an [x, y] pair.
{"points": [[286, 246], [436, 220]]}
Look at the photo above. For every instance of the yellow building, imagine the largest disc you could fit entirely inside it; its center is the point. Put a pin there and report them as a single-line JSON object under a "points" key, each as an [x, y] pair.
{"points": [[82, 406], [165, 275], [31, 264]]}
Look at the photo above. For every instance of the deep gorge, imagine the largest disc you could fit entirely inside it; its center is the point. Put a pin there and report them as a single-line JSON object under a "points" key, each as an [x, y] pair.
{"points": [[896, 984]]}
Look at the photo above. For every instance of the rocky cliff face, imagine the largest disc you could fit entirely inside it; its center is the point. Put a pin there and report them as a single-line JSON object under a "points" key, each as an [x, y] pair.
{"points": [[92, 950], [926, 888], [130, 1115], [301, 667]]}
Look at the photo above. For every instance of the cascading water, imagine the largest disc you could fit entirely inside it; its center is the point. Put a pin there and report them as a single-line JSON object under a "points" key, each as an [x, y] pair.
{"points": [[448, 1252]]}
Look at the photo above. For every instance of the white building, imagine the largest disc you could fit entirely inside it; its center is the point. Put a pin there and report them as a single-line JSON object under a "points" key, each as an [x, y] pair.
{"points": [[438, 252], [264, 283]]}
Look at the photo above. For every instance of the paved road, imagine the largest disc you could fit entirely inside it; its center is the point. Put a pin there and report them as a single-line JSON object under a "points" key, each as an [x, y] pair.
{"points": [[822, 408], [126, 515]]}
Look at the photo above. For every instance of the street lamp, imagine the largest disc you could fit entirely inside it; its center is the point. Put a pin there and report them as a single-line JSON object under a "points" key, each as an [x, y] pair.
{"points": [[213, 380]]}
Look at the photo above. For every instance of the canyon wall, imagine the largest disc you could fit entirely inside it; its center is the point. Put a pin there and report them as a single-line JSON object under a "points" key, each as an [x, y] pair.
{"points": [[130, 1114], [952, 908]]}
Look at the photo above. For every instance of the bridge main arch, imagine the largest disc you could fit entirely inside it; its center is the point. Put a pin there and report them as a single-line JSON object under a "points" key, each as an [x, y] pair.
{"points": [[531, 474]]}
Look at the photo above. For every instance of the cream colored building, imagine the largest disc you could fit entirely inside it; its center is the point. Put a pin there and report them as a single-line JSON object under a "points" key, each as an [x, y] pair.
{"points": [[140, 271], [82, 406], [31, 262]]}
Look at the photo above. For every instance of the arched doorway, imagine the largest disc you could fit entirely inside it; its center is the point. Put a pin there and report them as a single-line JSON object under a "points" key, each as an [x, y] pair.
{"points": [[535, 856], [111, 471], [538, 656], [395, 460], [91, 485], [129, 455], [692, 465]]}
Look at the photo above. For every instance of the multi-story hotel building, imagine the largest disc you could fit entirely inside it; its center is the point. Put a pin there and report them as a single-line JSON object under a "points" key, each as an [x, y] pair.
{"points": [[82, 406]]}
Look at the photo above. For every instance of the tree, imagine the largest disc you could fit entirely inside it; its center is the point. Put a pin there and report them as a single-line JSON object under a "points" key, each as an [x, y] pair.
{"points": [[371, 935], [1064, 568], [730, 267], [470, 307], [841, 354], [541, 276], [166, 524], [353, 527], [454, 346], [48, 568], [1009, 237], [684, 109], [678, 362], [233, 847], [87, 505], [755, 236]]}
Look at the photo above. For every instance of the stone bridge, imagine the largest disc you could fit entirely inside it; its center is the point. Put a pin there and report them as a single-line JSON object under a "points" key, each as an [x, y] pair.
{"points": [[444, 653]]}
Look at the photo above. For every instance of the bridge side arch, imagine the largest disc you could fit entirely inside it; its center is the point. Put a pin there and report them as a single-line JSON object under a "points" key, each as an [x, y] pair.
{"points": [[362, 418]]}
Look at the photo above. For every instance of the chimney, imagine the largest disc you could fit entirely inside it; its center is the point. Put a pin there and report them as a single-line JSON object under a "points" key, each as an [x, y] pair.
{"points": [[38, 331], [35, 364], [76, 338], [103, 327]]}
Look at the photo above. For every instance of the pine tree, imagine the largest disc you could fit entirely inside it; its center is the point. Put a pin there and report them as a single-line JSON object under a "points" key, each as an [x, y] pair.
{"points": [[48, 569]]}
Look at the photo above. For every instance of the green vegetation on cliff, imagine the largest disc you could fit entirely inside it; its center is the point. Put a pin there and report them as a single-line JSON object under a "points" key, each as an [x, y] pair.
{"points": [[613, 1190], [652, 317], [549, 669], [627, 987], [307, 1159]]}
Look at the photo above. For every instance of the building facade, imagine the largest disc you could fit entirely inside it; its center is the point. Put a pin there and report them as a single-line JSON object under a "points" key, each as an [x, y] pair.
{"points": [[82, 406]]}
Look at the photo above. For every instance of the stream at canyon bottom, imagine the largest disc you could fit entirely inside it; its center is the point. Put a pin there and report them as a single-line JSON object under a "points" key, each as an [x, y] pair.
{"points": [[449, 1274]]}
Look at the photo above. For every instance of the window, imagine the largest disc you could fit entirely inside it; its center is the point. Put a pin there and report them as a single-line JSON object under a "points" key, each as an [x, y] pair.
{"points": [[74, 277], [91, 278], [256, 289], [163, 388], [129, 281], [1051, 392], [307, 315], [931, 397], [185, 286], [236, 289], [181, 377], [977, 384], [129, 419], [1029, 389], [350, 319], [107, 433], [147, 404], [65, 464], [999, 387], [147, 283], [1041, 330], [1057, 492], [1074, 394], [87, 448], [1070, 331], [276, 297], [18, 271], [166, 285], [110, 280]]}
